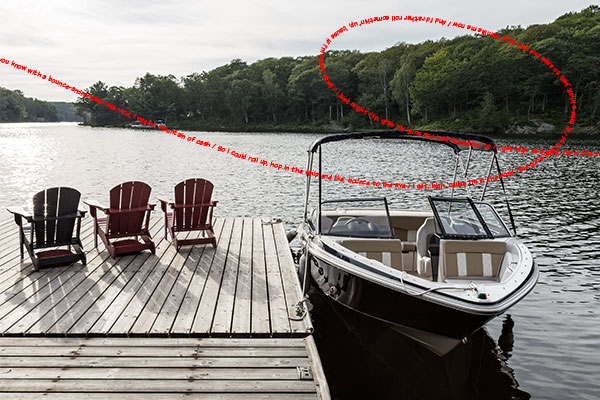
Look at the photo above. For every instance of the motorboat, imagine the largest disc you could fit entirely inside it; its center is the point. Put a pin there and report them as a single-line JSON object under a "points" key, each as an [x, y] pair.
{"points": [[139, 125], [436, 275], [155, 125]]}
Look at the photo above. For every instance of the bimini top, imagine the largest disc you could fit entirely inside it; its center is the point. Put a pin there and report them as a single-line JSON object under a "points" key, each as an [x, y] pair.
{"points": [[458, 141]]}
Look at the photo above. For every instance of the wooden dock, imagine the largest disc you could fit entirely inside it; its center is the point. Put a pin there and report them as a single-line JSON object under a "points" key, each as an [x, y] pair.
{"points": [[201, 323], [159, 368]]}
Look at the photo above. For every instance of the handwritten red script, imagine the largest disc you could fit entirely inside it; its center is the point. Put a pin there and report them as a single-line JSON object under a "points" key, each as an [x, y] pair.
{"points": [[454, 24], [543, 153]]}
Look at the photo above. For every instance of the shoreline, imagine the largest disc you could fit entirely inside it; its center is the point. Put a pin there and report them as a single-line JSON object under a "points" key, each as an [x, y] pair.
{"points": [[578, 131]]}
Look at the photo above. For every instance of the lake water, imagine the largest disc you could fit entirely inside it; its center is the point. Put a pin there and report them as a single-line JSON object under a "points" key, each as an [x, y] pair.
{"points": [[549, 346]]}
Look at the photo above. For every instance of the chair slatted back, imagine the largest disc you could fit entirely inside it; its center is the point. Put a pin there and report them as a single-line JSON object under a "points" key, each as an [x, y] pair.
{"points": [[47, 205], [127, 196], [192, 192]]}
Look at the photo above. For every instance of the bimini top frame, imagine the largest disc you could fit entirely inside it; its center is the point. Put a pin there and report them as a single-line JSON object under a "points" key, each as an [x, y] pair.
{"points": [[458, 141]]}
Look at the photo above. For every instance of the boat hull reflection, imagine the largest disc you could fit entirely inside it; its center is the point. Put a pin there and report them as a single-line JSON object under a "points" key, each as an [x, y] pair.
{"points": [[367, 359]]}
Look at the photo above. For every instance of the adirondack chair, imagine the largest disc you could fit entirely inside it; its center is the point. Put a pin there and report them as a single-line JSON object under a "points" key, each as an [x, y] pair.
{"points": [[127, 218], [192, 210], [51, 226]]}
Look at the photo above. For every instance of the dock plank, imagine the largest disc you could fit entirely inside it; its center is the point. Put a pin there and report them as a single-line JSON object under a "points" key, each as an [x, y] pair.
{"points": [[261, 322], [206, 309], [243, 295], [145, 386], [280, 323], [148, 373], [292, 291], [227, 291], [158, 396], [166, 362]]}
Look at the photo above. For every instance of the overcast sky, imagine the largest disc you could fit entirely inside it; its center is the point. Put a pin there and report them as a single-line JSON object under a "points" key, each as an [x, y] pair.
{"points": [[81, 42]]}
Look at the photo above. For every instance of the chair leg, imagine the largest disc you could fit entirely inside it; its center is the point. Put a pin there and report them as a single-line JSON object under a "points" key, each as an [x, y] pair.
{"points": [[95, 236], [21, 244]]}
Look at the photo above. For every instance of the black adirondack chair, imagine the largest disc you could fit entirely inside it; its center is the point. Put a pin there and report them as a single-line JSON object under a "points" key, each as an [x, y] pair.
{"points": [[51, 225]]}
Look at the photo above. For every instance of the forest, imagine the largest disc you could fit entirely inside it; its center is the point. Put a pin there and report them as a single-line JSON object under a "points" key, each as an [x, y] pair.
{"points": [[15, 107], [470, 82]]}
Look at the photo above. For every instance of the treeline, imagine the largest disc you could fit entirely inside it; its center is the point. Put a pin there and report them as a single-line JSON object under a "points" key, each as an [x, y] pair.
{"points": [[66, 111], [15, 107], [470, 82]]}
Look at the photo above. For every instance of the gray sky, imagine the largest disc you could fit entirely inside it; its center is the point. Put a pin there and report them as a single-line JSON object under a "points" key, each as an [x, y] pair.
{"points": [[81, 42]]}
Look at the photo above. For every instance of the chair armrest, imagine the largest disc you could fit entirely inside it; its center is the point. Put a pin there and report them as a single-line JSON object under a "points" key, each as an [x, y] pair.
{"points": [[19, 213], [165, 203], [148, 207], [211, 204], [96, 205]]}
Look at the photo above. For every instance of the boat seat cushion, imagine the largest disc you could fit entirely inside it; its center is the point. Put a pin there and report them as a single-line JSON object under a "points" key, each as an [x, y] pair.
{"points": [[386, 251], [409, 246], [471, 259], [406, 226]]}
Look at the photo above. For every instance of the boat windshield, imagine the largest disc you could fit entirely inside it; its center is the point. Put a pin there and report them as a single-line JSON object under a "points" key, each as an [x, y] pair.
{"points": [[461, 218], [353, 222]]}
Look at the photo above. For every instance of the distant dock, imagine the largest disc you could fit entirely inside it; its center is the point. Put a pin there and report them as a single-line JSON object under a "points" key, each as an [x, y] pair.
{"points": [[201, 323]]}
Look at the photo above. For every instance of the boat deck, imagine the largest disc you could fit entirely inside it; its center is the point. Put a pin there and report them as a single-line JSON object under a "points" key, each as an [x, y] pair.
{"points": [[201, 323]]}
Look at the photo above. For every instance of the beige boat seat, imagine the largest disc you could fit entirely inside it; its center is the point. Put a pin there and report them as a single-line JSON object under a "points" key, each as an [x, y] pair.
{"points": [[424, 233], [470, 259], [405, 228], [386, 251]]}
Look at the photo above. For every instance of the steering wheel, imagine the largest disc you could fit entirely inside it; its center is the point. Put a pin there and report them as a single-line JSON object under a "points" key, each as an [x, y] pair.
{"points": [[358, 220], [461, 226]]}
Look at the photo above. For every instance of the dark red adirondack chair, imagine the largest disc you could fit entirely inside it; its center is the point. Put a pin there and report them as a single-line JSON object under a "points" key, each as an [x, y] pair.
{"points": [[51, 226], [192, 210], [127, 217]]}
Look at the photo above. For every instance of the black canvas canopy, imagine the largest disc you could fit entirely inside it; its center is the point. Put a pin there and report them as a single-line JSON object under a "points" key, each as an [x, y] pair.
{"points": [[458, 141]]}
